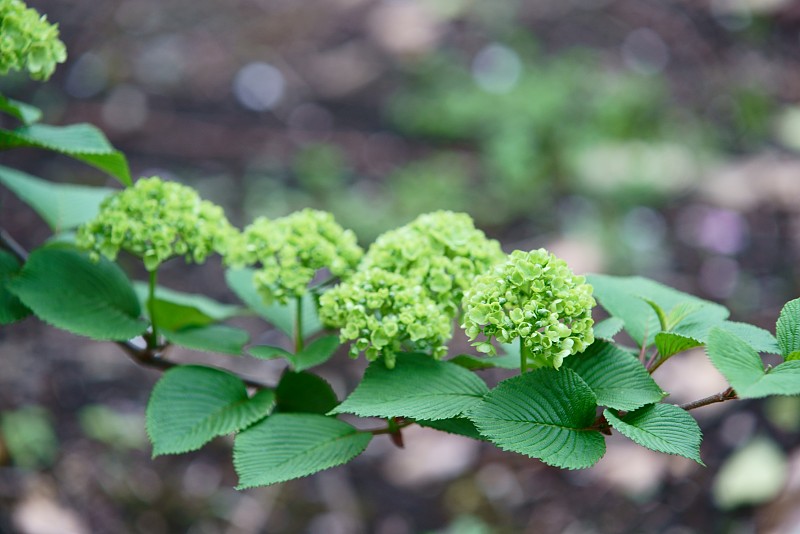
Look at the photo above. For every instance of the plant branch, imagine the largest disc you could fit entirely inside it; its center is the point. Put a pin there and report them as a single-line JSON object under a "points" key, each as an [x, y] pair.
{"points": [[10, 244], [148, 357], [152, 341], [298, 326], [728, 394], [390, 428]]}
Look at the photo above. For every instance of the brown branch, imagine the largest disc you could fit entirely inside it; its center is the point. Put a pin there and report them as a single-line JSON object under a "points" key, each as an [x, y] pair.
{"points": [[10, 244], [728, 394]]}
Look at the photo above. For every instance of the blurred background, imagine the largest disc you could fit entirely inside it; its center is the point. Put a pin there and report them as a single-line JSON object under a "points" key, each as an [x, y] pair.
{"points": [[659, 138]]}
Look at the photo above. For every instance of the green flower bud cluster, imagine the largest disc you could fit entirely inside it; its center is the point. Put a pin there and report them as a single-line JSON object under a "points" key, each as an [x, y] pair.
{"points": [[441, 251], [291, 250], [533, 296], [380, 310], [157, 220], [28, 41], [409, 286]]}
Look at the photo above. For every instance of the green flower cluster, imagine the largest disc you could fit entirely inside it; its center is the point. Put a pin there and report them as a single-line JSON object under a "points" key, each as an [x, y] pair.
{"points": [[28, 41], [290, 251], [409, 286], [441, 251], [157, 220], [380, 310], [533, 296]]}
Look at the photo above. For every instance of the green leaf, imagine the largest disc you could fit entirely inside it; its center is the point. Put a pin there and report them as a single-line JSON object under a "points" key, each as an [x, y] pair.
{"points": [[62, 206], [608, 328], [742, 366], [661, 427], [456, 425], [285, 446], [788, 329], [624, 298], [475, 363], [756, 337], [281, 316], [211, 338], [617, 378], [316, 353], [418, 387], [191, 405], [304, 392], [670, 343], [545, 414], [171, 316], [794, 356], [23, 112], [83, 142], [64, 288], [11, 308], [268, 352], [210, 308]]}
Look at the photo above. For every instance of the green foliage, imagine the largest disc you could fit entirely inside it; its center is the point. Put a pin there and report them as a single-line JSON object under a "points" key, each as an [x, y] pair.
{"points": [[535, 297], [210, 338], [316, 353], [631, 299], [304, 392], [28, 41], [157, 220], [204, 309], [62, 206], [742, 367], [192, 404], [660, 427], [608, 328], [616, 377], [545, 414], [83, 142], [63, 287], [670, 343], [25, 113], [29, 436], [457, 425], [291, 250], [788, 330], [474, 363], [418, 388], [11, 308], [293, 445]]}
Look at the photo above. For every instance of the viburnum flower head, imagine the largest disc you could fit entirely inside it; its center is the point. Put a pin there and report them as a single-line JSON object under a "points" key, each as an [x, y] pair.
{"points": [[441, 251], [157, 220], [381, 311], [290, 250], [28, 41], [535, 297]]}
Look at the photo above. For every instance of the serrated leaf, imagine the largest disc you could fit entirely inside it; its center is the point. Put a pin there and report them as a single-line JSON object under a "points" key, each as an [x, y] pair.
{"points": [[624, 297], [316, 353], [83, 142], [191, 405], [286, 446], [742, 366], [304, 392], [475, 363], [280, 316], [617, 378], [25, 113], [545, 414], [64, 288], [418, 387], [11, 308], [171, 316], [788, 328], [216, 311], [268, 352], [670, 343], [794, 356], [608, 328], [62, 206], [756, 337], [661, 427], [456, 425], [210, 338]]}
